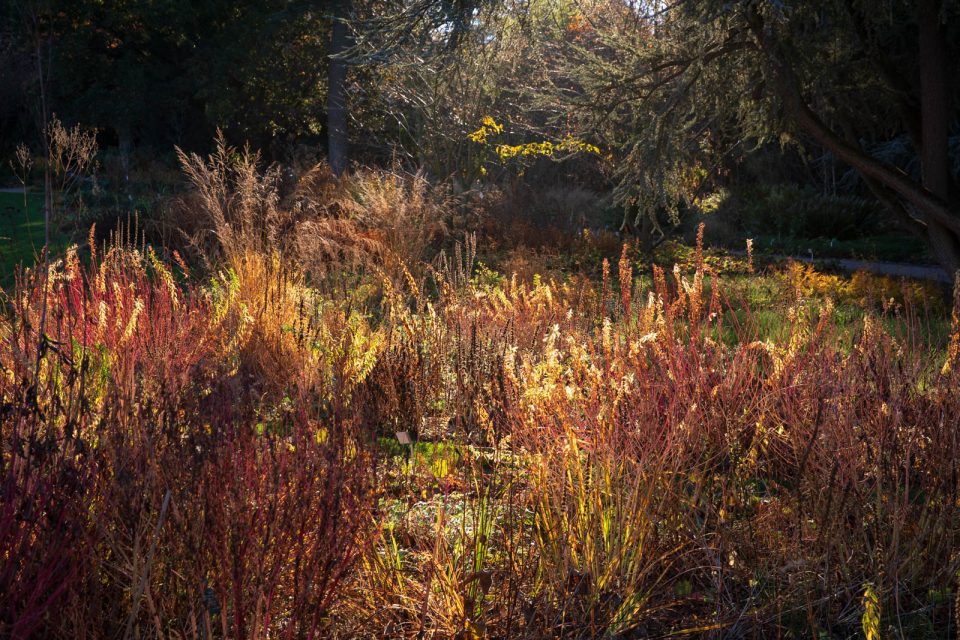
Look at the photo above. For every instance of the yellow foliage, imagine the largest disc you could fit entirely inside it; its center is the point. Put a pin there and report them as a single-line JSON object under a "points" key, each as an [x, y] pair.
{"points": [[546, 148], [953, 350], [861, 288], [490, 127], [871, 613]]}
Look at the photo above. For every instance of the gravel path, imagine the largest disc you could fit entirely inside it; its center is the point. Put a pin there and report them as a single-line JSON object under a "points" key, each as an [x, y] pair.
{"points": [[895, 269]]}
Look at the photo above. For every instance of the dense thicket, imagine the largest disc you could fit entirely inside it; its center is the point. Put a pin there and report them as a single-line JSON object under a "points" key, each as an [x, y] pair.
{"points": [[171, 72]]}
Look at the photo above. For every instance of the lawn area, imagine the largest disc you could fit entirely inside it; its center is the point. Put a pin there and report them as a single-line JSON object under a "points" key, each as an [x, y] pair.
{"points": [[890, 248], [21, 232]]}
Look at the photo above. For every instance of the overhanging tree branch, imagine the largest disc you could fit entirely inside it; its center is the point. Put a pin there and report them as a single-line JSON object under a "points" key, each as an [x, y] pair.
{"points": [[787, 85]]}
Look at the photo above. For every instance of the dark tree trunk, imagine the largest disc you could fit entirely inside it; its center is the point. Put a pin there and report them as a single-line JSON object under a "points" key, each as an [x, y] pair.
{"points": [[125, 145], [935, 128], [337, 139]]}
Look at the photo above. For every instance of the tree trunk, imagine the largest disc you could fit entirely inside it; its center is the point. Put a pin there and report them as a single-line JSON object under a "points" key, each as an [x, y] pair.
{"points": [[935, 128], [337, 139], [125, 145], [44, 133]]}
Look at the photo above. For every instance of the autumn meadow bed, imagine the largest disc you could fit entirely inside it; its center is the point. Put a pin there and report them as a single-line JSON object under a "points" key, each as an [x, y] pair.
{"points": [[211, 451]]}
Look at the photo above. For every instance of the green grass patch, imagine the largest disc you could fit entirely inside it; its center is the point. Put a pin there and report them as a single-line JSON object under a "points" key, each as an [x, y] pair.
{"points": [[886, 248], [21, 233]]}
